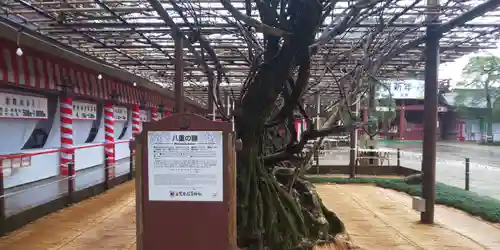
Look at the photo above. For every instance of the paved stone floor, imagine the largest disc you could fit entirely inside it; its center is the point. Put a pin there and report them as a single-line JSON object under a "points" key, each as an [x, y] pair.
{"points": [[375, 218], [104, 222], [382, 219]]}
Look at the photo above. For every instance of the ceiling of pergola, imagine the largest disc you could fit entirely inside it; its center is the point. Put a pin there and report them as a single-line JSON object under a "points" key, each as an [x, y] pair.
{"points": [[131, 35]]}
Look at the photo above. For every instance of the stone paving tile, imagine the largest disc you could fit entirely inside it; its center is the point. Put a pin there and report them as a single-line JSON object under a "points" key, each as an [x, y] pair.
{"points": [[106, 221], [381, 219]]}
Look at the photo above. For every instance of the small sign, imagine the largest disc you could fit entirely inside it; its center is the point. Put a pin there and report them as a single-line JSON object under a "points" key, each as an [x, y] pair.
{"points": [[84, 111], [145, 115], [185, 166], [442, 109], [383, 109], [21, 106], [14, 163], [120, 113]]}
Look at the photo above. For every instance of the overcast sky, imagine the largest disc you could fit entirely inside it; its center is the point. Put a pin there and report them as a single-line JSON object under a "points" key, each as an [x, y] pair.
{"points": [[453, 70]]}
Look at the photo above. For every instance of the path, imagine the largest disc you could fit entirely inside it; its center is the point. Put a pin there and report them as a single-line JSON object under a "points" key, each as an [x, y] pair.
{"points": [[375, 219], [103, 222], [381, 219]]}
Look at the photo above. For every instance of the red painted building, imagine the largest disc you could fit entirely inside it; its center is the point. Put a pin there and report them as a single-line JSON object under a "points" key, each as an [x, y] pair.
{"points": [[409, 121]]}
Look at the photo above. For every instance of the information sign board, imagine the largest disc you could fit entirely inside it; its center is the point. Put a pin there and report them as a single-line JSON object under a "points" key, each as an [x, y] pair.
{"points": [[185, 166]]}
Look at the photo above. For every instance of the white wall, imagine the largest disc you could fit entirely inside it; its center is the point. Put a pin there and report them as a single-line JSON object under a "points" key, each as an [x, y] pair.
{"points": [[14, 134], [472, 131]]}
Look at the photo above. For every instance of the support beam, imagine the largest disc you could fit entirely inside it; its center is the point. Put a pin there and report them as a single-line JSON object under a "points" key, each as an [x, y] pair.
{"points": [[179, 73], [433, 35], [158, 7], [479, 10], [52, 47]]}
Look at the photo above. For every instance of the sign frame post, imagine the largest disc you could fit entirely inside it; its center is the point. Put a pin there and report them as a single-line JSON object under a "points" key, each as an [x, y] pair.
{"points": [[186, 224]]}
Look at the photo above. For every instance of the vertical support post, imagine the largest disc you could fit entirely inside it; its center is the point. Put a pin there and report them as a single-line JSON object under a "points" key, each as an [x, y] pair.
{"points": [[316, 160], [353, 144], [467, 173], [210, 98], [214, 113], [430, 113], [365, 118], [131, 148], [3, 217], [136, 120], [398, 156], [226, 102], [233, 122], [318, 127], [402, 123], [71, 182], [179, 73], [109, 140], [318, 110], [106, 168], [66, 119]]}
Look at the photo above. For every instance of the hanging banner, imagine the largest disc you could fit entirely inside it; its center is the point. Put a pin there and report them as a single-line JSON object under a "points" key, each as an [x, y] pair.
{"points": [[18, 106], [145, 115], [120, 113], [84, 111]]}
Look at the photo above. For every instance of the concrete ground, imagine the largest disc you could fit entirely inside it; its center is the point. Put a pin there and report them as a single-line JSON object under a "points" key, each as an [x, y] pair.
{"points": [[450, 165]]}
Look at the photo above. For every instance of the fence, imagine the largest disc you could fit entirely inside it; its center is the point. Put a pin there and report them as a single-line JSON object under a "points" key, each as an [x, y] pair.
{"points": [[89, 173], [461, 172]]}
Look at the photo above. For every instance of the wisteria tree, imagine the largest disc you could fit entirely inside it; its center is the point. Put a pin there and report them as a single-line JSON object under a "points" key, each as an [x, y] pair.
{"points": [[277, 207]]}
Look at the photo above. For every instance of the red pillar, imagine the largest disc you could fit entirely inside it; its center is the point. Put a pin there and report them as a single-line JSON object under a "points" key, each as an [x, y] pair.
{"points": [[460, 126], [66, 116], [402, 121], [109, 138], [136, 120]]}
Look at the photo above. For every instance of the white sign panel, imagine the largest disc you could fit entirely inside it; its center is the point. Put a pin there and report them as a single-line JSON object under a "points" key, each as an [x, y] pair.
{"points": [[383, 109], [185, 166], [145, 115], [120, 113], [22, 106], [409, 89], [84, 111]]}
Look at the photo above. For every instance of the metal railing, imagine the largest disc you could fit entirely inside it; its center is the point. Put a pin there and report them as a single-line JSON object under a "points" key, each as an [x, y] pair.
{"points": [[30, 195]]}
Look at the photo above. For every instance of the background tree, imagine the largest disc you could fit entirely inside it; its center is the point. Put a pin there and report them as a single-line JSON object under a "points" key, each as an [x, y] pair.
{"points": [[481, 72]]}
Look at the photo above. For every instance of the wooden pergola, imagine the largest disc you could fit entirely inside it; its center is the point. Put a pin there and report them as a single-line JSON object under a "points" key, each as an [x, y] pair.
{"points": [[189, 45], [136, 35]]}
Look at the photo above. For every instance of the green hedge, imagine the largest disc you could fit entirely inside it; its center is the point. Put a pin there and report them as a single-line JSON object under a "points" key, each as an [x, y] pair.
{"points": [[470, 202]]}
